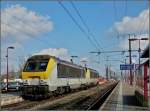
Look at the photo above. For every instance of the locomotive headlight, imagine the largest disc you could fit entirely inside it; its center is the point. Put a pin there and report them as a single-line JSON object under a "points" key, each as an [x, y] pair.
{"points": [[42, 82], [25, 82]]}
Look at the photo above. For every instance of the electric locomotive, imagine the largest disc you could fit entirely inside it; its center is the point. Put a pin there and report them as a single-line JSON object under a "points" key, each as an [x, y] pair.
{"points": [[44, 75]]}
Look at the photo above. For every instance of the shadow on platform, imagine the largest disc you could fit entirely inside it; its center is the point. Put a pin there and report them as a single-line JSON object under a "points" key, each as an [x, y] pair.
{"points": [[130, 101]]}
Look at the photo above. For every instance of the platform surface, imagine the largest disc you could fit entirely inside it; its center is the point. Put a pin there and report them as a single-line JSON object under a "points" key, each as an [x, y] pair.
{"points": [[10, 97], [122, 98]]}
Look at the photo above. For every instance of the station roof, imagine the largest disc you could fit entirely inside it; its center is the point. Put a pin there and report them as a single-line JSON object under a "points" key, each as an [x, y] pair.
{"points": [[147, 62], [145, 54]]}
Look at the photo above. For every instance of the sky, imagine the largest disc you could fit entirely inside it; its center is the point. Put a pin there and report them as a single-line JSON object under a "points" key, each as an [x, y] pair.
{"points": [[40, 27]]}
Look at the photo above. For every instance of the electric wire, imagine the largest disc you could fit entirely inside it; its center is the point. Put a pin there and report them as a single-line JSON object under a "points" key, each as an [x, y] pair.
{"points": [[115, 15], [85, 24], [87, 27], [78, 25], [143, 24]]}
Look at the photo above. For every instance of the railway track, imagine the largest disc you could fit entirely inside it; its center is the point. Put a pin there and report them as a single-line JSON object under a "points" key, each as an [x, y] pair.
{"points": [[99, 101], [27, 104], [88, 102], [24, 104], [78, 101], [74, 100]]}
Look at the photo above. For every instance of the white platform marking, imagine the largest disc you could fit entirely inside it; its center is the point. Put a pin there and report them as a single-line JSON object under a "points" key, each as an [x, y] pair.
{"points": [[120, 100]]}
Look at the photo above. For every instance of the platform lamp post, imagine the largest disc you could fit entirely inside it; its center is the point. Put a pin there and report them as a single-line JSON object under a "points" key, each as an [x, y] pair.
{"points": [[10, 47], [72, 57]]}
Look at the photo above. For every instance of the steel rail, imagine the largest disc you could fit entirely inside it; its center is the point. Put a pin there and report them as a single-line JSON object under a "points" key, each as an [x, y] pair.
{"points": [[100, 99]]}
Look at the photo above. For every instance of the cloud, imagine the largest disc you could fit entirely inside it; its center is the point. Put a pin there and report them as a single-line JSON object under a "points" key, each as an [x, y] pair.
{"points": [[62, 53], [84, 59], [138, 25], [132, 25], [18, 23]]}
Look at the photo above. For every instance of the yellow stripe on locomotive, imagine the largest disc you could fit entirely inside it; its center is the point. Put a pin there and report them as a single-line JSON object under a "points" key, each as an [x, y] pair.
{"points": [[40, 74], [44, 74]]}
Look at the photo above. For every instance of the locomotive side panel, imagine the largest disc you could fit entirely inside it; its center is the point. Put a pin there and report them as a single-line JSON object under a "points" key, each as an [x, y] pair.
{"points": [[70, 75], [44, 75]]}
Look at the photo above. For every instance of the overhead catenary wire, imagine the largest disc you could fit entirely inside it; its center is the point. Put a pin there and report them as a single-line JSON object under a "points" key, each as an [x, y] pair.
{"points": [[115, 15], [85, 24], [140, 25], [113, 51], [87, 28], [143, 24], [126, 8], [78, 25]]}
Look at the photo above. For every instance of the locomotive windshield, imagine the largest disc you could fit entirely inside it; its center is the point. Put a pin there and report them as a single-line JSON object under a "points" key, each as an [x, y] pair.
{"points": [[36, 65]]}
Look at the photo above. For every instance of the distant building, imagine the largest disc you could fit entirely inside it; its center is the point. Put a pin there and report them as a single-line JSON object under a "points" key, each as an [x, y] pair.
{"points": [[12, 80], [12, 76]]}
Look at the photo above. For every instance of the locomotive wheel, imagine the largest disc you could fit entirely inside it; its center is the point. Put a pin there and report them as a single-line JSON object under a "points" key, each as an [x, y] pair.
{"points": [[83, 87], [55, 93], [61, 90], [25, 97], [67, 89]]}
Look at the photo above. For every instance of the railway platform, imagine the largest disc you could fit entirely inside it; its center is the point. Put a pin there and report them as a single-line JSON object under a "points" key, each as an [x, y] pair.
{"points": [[10, 98], [122, 99]]}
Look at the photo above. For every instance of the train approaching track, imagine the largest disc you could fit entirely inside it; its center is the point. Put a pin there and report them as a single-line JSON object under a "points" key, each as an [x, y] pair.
{"points": [[51, 83], [45, 75], [79, 100]]}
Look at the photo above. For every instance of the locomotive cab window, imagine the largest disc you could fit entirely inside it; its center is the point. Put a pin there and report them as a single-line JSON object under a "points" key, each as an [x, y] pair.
{"points": [[40, 65], [31, 66], [43, 66]]}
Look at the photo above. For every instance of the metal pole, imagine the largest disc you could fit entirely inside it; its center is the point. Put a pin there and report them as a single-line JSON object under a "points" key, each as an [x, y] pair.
{"points": [[149, 56], [107, 70], [85, 65], [72, 57], [7, 69], [125, 71], [130, 60], [121, 76], [139, 54]]}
